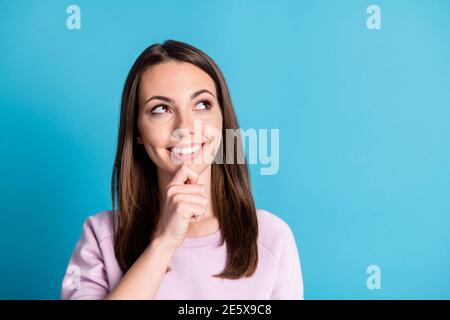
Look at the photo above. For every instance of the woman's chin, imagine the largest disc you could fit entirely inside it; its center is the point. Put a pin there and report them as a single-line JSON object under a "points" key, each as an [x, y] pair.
{"points": [[172, 168], [199, 167]]}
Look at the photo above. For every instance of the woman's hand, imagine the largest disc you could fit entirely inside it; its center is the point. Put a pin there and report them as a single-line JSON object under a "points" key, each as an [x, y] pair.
{"points": [[185, 202]]}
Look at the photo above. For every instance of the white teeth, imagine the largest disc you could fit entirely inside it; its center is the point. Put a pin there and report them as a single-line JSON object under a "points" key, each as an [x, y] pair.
{"points": [[187, 150]]}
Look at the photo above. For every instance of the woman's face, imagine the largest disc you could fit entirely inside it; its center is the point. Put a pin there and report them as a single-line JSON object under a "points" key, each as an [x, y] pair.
{"points": [[179, 119]]}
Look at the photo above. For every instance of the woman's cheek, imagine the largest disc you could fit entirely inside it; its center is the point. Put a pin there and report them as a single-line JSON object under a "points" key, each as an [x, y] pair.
{"points": [[157, 135], [213, 121], [212, 130], [214, 135]]}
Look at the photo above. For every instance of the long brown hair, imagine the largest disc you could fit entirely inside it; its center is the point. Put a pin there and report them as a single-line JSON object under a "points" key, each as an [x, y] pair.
{"points": [[135, 183]]}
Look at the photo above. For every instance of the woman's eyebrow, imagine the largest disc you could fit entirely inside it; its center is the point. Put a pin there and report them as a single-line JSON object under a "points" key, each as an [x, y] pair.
{"points": [[199, 92], [169, 100]]}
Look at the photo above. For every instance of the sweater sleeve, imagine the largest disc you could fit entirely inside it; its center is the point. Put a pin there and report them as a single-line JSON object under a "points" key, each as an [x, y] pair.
{"points": [[289, 282], [85, 276]]}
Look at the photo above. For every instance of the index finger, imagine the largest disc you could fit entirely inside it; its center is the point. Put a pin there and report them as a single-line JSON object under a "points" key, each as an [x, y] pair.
{"points": [[184, 175]]}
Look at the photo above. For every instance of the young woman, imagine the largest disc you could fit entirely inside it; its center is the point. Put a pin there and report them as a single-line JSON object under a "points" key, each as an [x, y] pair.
{"points": [[186, 226]]}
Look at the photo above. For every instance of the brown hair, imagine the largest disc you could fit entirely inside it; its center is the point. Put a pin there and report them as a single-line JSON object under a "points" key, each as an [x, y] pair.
{"points": [[135, 183]]}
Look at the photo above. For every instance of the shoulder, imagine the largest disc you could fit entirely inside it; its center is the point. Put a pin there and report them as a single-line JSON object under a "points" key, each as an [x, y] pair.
{"points": [[273, 231], [92, 263], [100, 225], [271, 225]]}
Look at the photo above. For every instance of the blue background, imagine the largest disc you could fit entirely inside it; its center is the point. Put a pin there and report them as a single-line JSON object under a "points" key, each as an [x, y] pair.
{"points": [[364, 119]]}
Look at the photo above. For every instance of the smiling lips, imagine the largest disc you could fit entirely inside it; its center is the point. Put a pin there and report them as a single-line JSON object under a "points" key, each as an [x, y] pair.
{"points": [[186, 151]]}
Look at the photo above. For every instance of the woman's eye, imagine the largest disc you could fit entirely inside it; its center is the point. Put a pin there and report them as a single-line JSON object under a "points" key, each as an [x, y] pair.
{"points": [[159, 109], [203, 105]]}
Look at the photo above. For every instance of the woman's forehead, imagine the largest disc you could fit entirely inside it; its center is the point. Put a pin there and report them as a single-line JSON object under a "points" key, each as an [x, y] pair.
{"points": [[175, 78]]}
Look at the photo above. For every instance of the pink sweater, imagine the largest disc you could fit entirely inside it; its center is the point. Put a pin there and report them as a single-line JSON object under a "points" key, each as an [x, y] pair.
{"points": [[93, 270]]}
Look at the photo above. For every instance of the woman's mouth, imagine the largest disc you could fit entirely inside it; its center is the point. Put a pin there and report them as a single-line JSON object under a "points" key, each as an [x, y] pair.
{"points": [[186, 151]]}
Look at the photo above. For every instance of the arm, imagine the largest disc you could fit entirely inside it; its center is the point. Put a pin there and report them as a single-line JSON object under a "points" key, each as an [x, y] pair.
{"points": [[144, 278], [86, 274], [182, 203], [289, 282]]}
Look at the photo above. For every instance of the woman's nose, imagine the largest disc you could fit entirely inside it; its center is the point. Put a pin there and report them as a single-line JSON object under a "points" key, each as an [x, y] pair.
{"points": [[184, 126], [179, 133]]}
